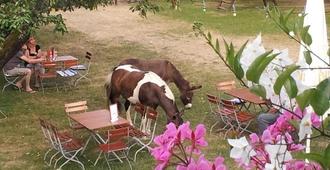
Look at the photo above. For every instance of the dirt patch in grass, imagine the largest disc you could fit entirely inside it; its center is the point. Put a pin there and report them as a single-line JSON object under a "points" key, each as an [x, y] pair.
{"points": [[173, 39]]}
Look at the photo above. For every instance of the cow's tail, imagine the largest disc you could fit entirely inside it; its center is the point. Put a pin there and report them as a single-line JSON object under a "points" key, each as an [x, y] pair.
{"points": [[107, 87]]}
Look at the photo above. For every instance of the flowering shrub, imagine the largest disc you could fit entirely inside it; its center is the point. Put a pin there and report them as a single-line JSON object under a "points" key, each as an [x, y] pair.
{"points": [[273, 149], [180, 146], [271, 75]]}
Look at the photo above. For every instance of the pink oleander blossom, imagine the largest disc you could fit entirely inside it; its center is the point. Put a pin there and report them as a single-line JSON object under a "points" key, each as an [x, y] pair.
{"points": [[174, 140], [197, 139], [299, 164], [203, 164]]}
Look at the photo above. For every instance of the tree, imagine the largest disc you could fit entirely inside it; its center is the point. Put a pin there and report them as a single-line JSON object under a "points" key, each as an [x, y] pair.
{"points": [[20, 18]]}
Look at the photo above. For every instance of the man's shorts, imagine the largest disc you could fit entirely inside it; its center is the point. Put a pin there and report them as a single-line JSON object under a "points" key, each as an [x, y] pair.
{"points": [[17, 71]]}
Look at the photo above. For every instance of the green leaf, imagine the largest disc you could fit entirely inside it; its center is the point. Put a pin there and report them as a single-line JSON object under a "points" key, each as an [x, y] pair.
{"points": [[209, 36], [305, 36], [326, 122], [308, 39], [287, 16], [303, 99], [324, 86], [308, 58], [319, 102], [283, 77], [252, 72], [327, 155], [239, 72], [313, 157], [231, 55], [291, 87], [259, 90], [240, 51], [217, 46]]}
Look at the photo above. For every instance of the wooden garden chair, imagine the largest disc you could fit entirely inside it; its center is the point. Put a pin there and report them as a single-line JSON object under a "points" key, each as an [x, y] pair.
{"points": [[141, 134], [116, 145], [221, 114], [242, 119]]}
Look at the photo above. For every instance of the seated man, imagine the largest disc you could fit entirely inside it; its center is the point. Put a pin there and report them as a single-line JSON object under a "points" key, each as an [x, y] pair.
{"points": [[15, 66], [266, 119]]}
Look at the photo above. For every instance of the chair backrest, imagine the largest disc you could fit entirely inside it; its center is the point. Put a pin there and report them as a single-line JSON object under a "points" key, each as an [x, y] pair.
{"points": [[139, 112], [88, 57], [44, 128], [118, 134], [150, 122], [226, 85], [227, 107], [214, 102], [50, 67], [73, 108], [76, 107]]}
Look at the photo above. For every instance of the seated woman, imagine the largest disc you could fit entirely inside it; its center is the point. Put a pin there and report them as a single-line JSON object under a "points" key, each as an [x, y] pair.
{"points": [[35, 53], [15, 66]]}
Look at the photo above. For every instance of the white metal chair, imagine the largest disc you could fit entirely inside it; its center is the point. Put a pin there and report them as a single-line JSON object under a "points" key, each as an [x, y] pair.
{"points": [[226, 4], [115, 145], [10, 80], [83, 69], [47, 131], [221, 114], [68, 147], [141, 135]]}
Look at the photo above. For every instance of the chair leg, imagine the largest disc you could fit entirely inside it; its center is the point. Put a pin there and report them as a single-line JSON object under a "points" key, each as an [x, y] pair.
{"points": [[87, 142], [98, 157], [129, 163], [106, 159], [135, 155], [45, 156], [72, 159], [4, 115], [217, 122]]}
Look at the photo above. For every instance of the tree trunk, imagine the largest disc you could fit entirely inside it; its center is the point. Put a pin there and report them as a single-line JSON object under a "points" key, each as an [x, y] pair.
{"points": [[11, 45]]}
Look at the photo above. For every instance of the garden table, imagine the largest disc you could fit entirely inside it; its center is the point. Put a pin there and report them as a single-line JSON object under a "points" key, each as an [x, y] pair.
{"points": [[97, 120], [245, 95]]}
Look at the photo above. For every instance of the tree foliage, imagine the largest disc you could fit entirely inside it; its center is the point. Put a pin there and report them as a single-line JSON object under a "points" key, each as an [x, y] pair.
{"points": [[20, 18]]}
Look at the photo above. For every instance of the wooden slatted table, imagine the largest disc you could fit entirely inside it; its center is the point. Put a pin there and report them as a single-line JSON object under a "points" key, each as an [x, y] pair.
{"points": [[97, 120], [245, 95]]}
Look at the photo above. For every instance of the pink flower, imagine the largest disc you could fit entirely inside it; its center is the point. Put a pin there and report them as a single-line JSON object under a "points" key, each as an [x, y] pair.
{"points": [[267, 137], [299, 164], [218, 164], [185, 131], [201, 164], [197, 139], [199, 135], [314, 117], [254, 138]]}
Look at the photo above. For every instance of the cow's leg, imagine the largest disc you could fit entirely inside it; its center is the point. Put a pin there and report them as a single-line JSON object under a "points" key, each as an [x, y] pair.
{"points": [[114, 98], [128, 115]]}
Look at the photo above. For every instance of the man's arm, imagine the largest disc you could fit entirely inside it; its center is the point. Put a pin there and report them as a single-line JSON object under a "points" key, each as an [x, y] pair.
{"points": [[31, 60]]}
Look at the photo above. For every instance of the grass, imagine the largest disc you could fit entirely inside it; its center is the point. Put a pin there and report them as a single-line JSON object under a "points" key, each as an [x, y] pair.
{"points": [[21, 142], [250, 19]]}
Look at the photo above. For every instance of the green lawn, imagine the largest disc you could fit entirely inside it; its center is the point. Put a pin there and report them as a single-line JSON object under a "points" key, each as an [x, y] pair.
{"points": [[21, 142]]}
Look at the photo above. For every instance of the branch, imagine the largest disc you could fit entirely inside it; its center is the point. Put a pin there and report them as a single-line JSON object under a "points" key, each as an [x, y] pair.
{"points": [[295, 39]]}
